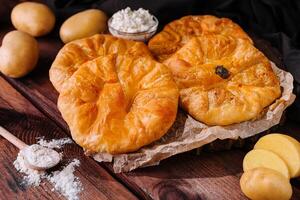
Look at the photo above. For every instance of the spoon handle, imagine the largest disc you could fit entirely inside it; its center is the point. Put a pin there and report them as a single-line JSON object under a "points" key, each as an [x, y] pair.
{"points": [[12, 139]]}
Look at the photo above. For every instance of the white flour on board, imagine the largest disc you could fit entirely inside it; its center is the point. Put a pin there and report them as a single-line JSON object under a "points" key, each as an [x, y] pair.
{"points": [[64, 181], [55, 143], [32, 177]]}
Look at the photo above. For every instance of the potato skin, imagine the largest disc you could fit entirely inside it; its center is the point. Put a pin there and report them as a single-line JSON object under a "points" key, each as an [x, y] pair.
{"points": [[33, 18], [265, 184], [18, 54], [83, 24]]}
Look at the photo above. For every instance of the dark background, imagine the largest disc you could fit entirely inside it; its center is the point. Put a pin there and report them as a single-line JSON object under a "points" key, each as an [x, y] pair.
{"points": [[277, 21]]}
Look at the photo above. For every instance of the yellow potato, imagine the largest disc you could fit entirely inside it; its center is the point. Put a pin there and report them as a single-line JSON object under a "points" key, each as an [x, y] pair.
{"points": [[83, 24], [264, 158], [265, 184], [285, 147], [33, 18], [18, 54]]}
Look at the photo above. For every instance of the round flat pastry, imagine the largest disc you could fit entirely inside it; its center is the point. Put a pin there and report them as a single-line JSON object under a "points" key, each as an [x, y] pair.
{"points": [[179, 32], [118, 103], [223, 80], [75, 53]]}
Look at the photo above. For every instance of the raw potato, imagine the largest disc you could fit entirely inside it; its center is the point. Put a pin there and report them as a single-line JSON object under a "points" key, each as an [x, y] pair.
{"points": [[285, 147], [18, 54], [265, 184], [33, 18], [264, 158], [83, 24]]}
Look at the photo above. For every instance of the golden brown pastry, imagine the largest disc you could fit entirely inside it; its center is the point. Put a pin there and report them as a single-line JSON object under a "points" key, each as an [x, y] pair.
{"points": [[179, 32], [223, 80], [116, 102], [75, 53]]}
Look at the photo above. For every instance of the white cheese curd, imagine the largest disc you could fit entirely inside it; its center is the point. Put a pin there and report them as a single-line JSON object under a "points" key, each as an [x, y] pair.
{"points": [[132, 21]]}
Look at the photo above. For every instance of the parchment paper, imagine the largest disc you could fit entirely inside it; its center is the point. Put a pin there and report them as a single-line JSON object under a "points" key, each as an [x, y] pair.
{"points": [[187, 133]]}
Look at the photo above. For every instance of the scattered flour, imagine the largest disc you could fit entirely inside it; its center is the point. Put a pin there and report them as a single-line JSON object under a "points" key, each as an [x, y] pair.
{"points": [[54, 144], [32, 177], [64, 181]]}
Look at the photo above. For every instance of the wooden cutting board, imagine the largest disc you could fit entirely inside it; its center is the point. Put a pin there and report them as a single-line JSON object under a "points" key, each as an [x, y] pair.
{"points": [[28, 109]]}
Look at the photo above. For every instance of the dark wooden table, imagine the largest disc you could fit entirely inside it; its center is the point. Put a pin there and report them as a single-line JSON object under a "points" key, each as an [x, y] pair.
{"points": [[28, 110]]}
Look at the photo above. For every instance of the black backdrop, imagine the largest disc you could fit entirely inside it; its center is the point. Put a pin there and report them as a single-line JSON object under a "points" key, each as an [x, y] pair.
{"points": [[275, 20]]}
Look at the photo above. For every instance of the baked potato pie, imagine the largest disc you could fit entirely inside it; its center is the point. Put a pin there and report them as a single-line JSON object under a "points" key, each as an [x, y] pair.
{"points": [[113, 95]]}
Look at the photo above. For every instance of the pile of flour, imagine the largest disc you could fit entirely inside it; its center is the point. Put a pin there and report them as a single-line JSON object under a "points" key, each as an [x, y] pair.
{"points": [[64, 181], [32, 177], [41, 157]]}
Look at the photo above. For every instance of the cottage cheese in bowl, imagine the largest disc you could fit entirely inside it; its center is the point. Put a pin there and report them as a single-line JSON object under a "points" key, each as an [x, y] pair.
{"points": [[133, 24]]}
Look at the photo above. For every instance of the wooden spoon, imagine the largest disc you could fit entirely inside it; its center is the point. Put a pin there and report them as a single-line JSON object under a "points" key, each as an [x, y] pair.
{"points": [[21, 145]]}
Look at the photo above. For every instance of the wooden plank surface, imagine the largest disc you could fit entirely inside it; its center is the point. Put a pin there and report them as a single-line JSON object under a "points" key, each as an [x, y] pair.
{"points": [[22, 119]]}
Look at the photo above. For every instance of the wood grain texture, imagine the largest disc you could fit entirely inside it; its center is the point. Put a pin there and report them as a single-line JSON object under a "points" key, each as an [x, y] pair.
{"points": [[22, 119], [207, 176]]}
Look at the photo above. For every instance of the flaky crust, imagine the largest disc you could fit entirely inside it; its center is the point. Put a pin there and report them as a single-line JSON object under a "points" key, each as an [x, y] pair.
{"points": [[179, 32], [116, 103], [73, 55], [251, 86]]}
